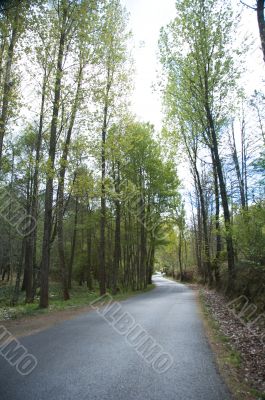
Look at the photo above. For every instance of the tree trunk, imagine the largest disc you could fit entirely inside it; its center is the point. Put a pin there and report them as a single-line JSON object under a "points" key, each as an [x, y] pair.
{"points": [[46, 246], [60, 205], [15, 296], [180, 256], [72, 256], [7, 83], [229, 239], [102, 258], [217, 224], [89, 260], [261, 22], [28, 272], [238, 172], [143, 255], [151, 260], [117, 245], [32, 238]]}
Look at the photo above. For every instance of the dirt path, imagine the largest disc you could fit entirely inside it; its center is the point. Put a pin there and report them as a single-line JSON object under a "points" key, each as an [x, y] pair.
{"points": [[26, 326]]}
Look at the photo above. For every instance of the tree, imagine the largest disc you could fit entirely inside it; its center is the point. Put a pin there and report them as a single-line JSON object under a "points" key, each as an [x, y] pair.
{"points": [[66, 23], [197, 54], [12, 25], [113, 54], [260, 5], [261, 23]]}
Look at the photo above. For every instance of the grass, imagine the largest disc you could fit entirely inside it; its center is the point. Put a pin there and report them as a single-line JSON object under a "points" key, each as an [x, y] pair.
{"points": [[228, 360], [80, 297]]}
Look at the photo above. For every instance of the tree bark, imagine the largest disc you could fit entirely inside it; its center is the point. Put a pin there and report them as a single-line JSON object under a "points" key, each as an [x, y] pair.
{"points": [[229, 239], [143, 255], [117, 245], [15, 296], [261, 22], [72, 256], [102, 258], [46, 246], [192, 153], [7, 83], [32, 238], [238, 172], [60, 205], [217, 224], [89, 260]]}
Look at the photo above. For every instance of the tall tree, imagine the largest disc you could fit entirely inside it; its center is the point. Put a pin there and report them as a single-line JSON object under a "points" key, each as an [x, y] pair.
{"points": [[197, 53], [65, 25], [113, 59], [261, 23], [12, 25]]}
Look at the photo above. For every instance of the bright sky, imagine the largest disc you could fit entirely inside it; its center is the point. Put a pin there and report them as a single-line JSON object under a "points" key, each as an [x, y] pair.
{"points": [[146, 19]]}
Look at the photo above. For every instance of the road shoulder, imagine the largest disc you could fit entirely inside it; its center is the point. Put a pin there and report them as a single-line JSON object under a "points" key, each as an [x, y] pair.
{"points": [[231, 363]]}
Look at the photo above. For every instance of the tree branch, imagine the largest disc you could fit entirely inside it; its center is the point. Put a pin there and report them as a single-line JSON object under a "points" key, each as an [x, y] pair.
{"points": [[247, 5]]}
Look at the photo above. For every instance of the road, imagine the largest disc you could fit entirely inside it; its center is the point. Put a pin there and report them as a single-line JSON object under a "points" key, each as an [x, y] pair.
{"points": [[86, 358]]}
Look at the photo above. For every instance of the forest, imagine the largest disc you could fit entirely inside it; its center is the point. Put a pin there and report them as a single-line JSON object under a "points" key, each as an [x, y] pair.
{"points": [[92, 197]]}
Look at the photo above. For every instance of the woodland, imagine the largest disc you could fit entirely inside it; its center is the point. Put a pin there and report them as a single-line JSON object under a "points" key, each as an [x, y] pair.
{"points": [[92, 199]]}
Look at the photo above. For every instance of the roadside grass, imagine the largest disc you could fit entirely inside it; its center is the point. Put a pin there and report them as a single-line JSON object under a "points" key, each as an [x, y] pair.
{"points": [[80, 297], [228, 359]]}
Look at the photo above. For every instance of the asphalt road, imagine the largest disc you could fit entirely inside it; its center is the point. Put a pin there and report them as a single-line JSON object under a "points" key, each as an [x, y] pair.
{"points": [[88, 359]]}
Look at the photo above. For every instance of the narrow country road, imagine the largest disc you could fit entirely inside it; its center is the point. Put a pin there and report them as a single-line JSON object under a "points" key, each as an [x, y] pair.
{"points": [[86, 359]]}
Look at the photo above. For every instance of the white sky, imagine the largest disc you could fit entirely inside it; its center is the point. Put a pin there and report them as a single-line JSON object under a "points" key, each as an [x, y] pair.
{"points": [[146, 19]]}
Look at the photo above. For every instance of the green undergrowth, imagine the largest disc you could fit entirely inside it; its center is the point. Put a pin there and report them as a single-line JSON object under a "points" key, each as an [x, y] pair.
{"points": [[80, 297]]}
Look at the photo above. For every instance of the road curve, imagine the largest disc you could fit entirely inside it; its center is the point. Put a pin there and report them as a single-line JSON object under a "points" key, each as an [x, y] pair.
{"points": [[88, 359]]}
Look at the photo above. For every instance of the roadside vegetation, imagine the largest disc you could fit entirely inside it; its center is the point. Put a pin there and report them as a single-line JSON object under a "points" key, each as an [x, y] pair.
{"points": [[216, 127], [80, 298], [85, 188], [239, 353], [91, 200]]}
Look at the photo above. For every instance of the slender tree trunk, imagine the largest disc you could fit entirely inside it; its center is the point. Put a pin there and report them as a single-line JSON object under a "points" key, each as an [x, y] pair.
{"points": [[142, 263], [217, 224], [72, 256], [102, 268], [117, 245], [7, 83], [192, 153], [28, 272], [15, 296], [261, 22], [102, 265], [238, 172], [60, 205], [180, 256], [89, 260], [229, 239], [46, 246], [30, 262], [151, 260]]}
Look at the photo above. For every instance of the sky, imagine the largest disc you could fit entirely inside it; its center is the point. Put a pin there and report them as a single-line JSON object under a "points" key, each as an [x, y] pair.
{"points": [[146, 19]]}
